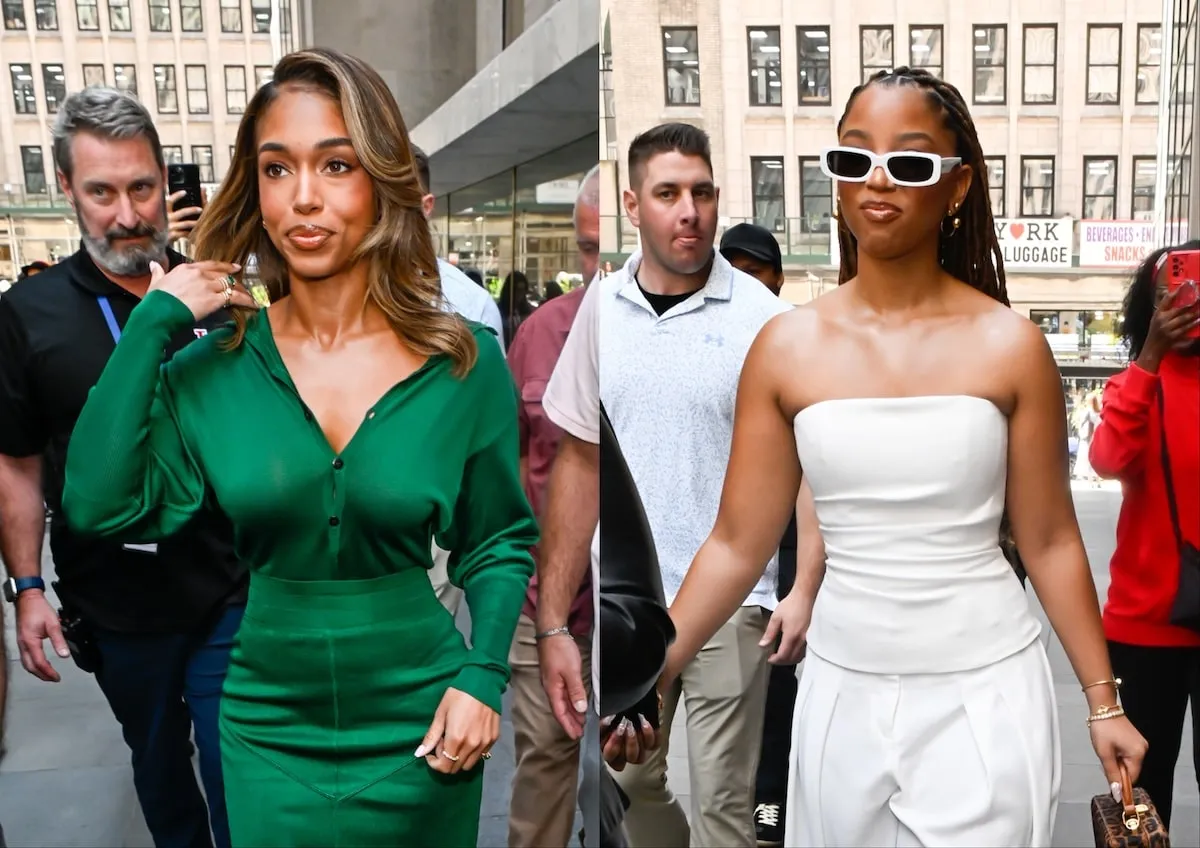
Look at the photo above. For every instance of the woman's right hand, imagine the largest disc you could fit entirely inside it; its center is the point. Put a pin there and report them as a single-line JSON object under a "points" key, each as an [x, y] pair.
{"points": [[201, 286], [1169, 328]]}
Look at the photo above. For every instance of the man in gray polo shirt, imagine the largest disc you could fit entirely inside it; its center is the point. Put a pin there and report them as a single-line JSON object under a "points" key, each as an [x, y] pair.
{"points": [[675, 325]]}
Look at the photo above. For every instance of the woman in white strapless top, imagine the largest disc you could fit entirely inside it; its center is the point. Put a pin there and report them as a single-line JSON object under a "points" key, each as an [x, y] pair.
{"points": [[919, 406]]}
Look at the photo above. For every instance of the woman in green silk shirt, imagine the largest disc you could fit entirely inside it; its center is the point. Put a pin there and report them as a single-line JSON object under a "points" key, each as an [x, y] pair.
{"points": [[342, 430]]}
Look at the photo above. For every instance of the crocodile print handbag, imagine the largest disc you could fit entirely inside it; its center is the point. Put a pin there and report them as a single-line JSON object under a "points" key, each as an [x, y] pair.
{"points": [[1132, 823]]}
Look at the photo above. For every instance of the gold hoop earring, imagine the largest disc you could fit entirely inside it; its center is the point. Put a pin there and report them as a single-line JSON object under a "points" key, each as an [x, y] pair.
{"points": [[954, 225]]}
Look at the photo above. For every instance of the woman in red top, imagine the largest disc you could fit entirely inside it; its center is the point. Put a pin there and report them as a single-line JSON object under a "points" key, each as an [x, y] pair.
{"points": [[1159, 663]]}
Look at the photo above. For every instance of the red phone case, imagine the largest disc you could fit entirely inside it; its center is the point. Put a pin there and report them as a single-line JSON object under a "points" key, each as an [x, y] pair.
{"points": [[1183, 267]]}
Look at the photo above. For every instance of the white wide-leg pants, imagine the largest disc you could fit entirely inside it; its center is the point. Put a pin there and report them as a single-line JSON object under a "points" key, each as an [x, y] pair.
{"points": [[959, 759]]}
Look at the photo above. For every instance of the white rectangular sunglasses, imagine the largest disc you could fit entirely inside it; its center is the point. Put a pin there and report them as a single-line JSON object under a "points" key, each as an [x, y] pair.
{"points": [[903, 167]]}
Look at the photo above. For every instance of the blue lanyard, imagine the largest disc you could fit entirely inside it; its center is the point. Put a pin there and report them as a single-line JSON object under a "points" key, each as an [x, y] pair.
{"points": [[110, 319]]}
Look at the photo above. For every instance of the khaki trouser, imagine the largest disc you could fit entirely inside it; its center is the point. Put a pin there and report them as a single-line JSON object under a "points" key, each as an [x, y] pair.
{"points": [[449, 594], [726, 692], [547, 760]]}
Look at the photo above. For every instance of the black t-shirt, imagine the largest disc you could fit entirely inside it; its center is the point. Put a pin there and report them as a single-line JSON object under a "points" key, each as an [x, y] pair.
{"points": [[660, 303], [54, 344]]}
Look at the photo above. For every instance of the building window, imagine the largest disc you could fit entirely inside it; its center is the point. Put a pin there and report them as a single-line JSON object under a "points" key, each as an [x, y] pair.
{"points": [[235, 89], [260, 13], [24, 97], [125, 79], [54, 83], [875, 50], [172, 154], [87, 15], [160, 15], [991, 65], [996, 184], [34, 165], [816, 197], [1145, 176], [1039, 83], [119, 18], [1179, 181], [93, 75], [231, 15], [191, 16], [1099, 188], [925, 48], [14, 13], [1149, 63], [1037, 186], [767, 177], [166, 90], [1048, 322], [196, 79], [681, 66], [812, 51], [766, 80], [45, 12], [262, 75], [1104, 63], [202, 156]]}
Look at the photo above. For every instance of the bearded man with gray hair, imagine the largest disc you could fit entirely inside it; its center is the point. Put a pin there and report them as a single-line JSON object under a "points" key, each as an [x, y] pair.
{"points": [[153, 620]]}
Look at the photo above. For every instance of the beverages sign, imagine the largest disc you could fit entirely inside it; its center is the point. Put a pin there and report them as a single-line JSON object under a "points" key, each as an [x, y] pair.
{"points": [[1036, 242], [1115, 244]]}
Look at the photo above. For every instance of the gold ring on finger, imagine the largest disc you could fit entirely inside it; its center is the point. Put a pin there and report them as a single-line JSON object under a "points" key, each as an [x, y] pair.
{"points": [[487, 755], [449, 756]]}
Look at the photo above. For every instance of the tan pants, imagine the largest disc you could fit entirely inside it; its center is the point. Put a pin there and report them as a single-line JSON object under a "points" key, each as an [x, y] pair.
{"points": [[542, 810], [449, 594], [726, 691]]}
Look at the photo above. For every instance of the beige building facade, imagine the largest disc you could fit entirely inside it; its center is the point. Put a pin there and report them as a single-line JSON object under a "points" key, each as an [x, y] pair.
{"points": [[193, 63], [1065, 95]]}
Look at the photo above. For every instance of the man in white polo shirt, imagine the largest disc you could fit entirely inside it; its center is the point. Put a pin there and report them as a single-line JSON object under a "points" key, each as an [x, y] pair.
{"points": [[675, 325]]}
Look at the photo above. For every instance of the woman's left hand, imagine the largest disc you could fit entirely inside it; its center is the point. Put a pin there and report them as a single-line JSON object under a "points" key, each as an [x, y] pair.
{"points": [[463, 731], [1117, 741]]}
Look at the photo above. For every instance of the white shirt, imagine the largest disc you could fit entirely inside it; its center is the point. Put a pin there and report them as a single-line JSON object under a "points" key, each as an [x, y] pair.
{"points": [[572, 401], [469, 299], [669, 384]]}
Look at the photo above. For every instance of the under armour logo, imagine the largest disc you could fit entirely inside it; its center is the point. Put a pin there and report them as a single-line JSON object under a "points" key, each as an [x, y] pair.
{"points": [[200, 332], [714, 340]]}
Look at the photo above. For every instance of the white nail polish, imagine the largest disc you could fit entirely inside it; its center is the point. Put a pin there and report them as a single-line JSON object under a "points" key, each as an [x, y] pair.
{"points": [[1116, 792], [421, 751]]}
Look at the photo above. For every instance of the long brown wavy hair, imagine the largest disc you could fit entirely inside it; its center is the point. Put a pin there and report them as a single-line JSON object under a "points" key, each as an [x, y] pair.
{"points": [[404, 281]]}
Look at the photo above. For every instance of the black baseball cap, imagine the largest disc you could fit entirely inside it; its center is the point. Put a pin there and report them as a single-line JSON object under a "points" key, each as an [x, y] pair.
{"points": [[752, 240]]}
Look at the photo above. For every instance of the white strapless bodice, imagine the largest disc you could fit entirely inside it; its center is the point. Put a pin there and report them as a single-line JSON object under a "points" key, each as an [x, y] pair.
{"points": [[909, 495]]}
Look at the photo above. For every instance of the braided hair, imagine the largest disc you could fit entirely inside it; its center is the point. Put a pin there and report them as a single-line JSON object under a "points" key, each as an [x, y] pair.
{"points": [[971, 253]]}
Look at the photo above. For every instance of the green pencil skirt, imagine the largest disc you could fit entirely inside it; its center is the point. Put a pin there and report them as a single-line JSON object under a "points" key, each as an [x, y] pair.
{"points": [[332, 685]]}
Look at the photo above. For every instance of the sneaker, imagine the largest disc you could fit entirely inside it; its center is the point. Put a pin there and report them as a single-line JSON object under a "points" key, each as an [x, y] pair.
{"points": [[768, 825]]}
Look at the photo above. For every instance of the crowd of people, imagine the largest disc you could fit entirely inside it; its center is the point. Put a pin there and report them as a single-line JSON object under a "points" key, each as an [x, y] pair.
{"points": [[285, 609], [812, 516], [906, 435]]}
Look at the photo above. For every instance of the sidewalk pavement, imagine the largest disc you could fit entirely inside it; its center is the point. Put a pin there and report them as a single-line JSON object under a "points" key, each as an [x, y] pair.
{"points": [[1082, 778], [66, 781]]}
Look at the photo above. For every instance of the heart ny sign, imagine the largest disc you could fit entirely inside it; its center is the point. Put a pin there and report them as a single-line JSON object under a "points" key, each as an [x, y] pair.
{"points": [[1036, 242]]}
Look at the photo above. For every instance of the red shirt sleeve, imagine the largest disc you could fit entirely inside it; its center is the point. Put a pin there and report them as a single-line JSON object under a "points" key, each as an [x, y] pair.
{"points": [[1120, 441], [516, 364]]}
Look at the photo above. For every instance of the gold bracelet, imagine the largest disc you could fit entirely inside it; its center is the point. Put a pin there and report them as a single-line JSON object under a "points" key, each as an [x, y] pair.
{"points": [[1105, 712], [1115, 682]]}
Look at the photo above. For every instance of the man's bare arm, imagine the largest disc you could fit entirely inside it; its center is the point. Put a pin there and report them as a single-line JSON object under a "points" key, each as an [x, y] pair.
{"points": [[22, 526], [572, 511], [22, 515]]}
